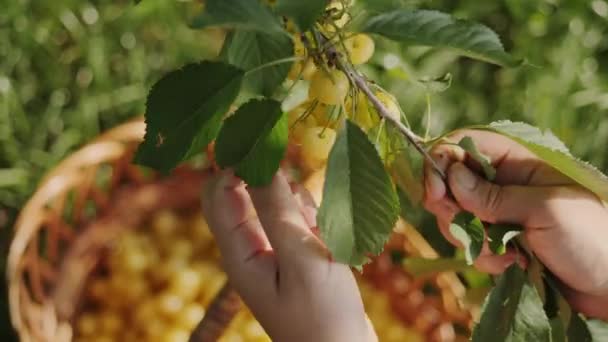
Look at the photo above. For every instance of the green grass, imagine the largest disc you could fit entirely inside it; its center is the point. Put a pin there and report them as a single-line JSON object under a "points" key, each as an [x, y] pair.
{"points": [[70, 70]]}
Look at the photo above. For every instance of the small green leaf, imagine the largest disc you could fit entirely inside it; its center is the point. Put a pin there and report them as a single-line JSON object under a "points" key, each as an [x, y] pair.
{"points": [[432, 28], [184, 112], [304, 13], [253, 141], [437, 84], [578, 330], [499, 236], [249, 50], [421, 267], [469, 230], [469, 146], [239, 14], [553, 152], [360, 205], [513, 311]]}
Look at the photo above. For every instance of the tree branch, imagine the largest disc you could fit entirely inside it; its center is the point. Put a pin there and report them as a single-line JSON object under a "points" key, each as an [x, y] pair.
{"points": [[406, 132], [362, 84]]}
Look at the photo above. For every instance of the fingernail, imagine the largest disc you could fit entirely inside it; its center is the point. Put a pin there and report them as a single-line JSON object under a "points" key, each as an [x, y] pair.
{"points": [[465, 179]]}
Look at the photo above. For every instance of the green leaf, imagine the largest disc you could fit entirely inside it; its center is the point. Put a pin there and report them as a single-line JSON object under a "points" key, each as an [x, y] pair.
{"points": [[556, 305], [598, 330], [377, 6], [184, 112], [264, 161], [578, 331], [558, 332], [304, 13], [406, 171], [513, 311], [554, 153], [432, 28], [421, 267], [469, 146], [360, 205], [239, 14], [250, 50], [499, 236], [469, 230], [253, 141], [436, 84]]}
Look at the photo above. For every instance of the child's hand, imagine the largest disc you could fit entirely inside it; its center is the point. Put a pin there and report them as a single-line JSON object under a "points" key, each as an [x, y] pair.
{"points": [[565, 225], [279, 267]]}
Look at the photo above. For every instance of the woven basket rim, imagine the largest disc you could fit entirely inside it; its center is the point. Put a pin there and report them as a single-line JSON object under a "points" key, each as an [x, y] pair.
{"points": [[106, 147]]}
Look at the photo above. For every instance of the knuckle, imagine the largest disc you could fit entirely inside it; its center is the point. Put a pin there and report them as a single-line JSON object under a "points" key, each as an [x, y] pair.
{"points": [[494, 200]]}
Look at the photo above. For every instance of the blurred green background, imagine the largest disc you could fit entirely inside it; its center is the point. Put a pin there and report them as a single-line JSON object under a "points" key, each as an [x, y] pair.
{"points": [[72, 69]]}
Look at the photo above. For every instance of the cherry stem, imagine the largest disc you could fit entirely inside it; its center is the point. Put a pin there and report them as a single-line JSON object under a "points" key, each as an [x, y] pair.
{"points": [[361, 83]]}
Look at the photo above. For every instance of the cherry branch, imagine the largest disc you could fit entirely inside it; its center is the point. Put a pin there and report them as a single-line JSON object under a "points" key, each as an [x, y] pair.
{"points": [[414, 139], [361, 83]]}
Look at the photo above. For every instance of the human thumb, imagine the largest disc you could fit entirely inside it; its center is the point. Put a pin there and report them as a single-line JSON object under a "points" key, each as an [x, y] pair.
{"points": [[494, 203]]}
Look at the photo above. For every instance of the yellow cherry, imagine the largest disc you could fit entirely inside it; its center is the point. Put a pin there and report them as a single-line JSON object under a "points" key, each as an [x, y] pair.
{"points": [[316, 145], [360, 48], [329, 89], [390, 104]]}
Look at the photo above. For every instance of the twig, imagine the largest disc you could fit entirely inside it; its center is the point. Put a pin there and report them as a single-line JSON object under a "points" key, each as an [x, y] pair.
{"points": [[362, 84], [409, 135]]}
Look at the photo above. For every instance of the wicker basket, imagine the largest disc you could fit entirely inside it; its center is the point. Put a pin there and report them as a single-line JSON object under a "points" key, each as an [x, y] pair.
{"points": [[81, 205]]}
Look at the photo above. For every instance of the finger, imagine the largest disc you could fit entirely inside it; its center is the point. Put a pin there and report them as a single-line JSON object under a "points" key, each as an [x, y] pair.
{"points": [[444, 156], [514, 163], [286, 229], [495, 264], [308, 207], [246, 252], [499, 204], [444, 228]]}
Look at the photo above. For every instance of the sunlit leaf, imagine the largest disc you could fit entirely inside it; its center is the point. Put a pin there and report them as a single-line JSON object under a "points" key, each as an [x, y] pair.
{"points": [[184, 112], [469, 231], [553, 152], [499, 236], [304, 13], [239, 14], [513, 311], [360, 205], [253, 141], [249, 50], [437, 29], [484, 161]]}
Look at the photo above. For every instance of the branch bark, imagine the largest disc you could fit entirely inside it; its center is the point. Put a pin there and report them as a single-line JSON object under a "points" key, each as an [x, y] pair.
{"points": [[361, 83]]}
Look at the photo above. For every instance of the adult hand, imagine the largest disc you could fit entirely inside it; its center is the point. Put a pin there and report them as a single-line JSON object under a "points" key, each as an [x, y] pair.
{"points": [[564, 224], [279, 267]]}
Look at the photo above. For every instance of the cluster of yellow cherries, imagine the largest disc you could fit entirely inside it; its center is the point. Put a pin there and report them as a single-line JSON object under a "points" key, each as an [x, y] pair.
{"points": [[155, 285], [331, 99], [158, 281]]}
